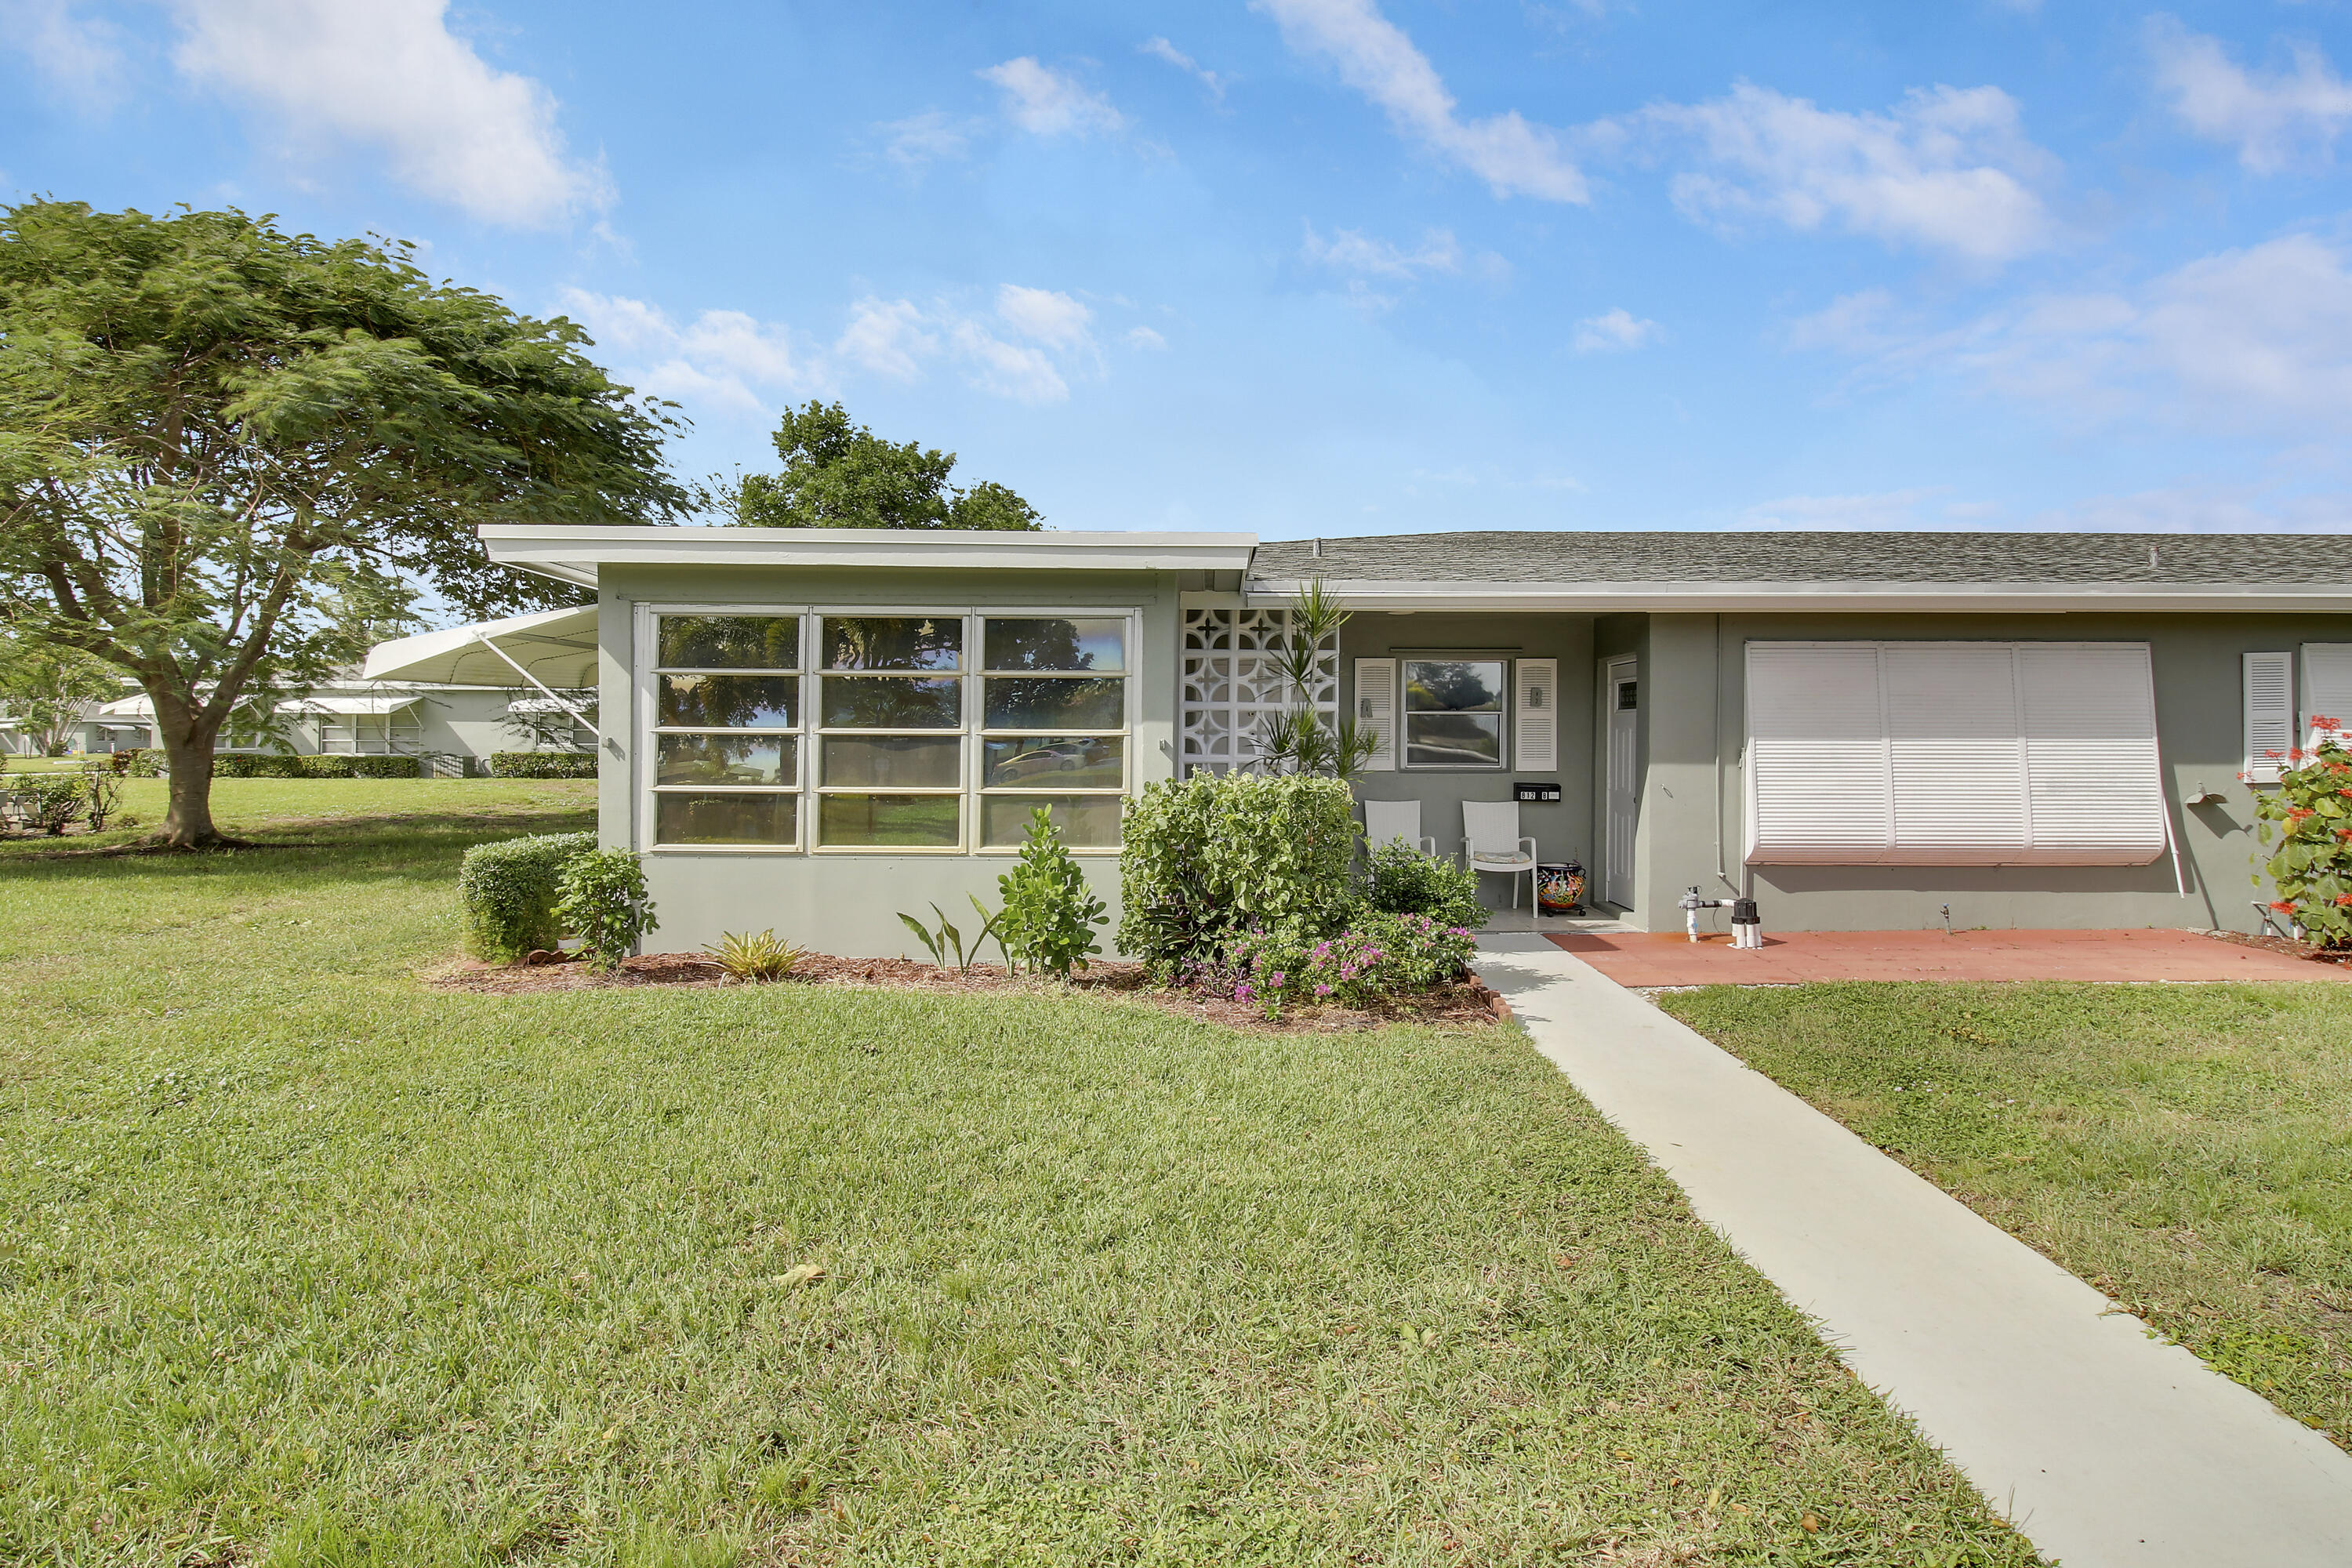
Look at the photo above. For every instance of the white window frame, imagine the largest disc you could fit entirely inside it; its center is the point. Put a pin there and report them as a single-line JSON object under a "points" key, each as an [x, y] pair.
{"points": [[974, 732], [1508, 730]]}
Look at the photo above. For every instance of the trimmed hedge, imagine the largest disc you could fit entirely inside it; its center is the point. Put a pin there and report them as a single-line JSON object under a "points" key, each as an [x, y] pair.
{"points": [[508, 890], [542, 764], [150, 764]]}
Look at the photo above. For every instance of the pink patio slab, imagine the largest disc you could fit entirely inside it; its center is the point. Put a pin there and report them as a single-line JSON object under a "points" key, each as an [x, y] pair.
{"points": [[1663, 958]]}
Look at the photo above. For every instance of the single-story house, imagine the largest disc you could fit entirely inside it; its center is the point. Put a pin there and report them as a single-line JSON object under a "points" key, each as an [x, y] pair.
{"points": [[813, 729]]}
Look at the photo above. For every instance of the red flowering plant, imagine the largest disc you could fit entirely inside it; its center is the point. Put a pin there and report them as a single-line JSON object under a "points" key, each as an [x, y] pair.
{"points": [[2310, 818]]}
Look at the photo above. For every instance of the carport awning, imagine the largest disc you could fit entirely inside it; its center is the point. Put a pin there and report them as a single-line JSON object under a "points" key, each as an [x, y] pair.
{"points": [[557, 647], [348, 707]]}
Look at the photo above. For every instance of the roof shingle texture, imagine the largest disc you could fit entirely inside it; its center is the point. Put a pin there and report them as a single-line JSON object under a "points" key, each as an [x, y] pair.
{"points": [[1816, 557]]}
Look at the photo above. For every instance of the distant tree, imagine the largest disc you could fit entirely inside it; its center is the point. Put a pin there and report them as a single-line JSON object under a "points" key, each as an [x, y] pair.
{"points": [[46, 690], [226, 452], [840, 475]]}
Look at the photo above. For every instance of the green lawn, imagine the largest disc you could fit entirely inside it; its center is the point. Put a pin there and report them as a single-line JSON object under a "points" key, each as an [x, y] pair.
{"points": [[2185, 1148], [303, 1261]]}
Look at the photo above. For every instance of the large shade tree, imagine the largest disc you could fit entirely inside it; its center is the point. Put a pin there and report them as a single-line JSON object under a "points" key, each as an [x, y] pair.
{"points": [[841, 474], [226, 450]]}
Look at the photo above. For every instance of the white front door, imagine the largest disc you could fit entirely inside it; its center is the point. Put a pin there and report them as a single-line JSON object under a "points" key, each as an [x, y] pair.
{"points": [[1621, 691]]}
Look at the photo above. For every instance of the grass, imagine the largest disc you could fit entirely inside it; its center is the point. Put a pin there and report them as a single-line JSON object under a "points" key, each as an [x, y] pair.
{"points": [[304, 1262], [2187, 1149]]}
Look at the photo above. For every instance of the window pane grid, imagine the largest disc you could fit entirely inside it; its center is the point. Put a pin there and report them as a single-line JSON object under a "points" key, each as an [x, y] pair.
{"points": [[1010, 713]]}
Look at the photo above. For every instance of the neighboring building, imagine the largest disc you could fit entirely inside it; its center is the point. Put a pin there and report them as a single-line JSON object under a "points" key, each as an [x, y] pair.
{"points": [[812, 730], [455, 724]]}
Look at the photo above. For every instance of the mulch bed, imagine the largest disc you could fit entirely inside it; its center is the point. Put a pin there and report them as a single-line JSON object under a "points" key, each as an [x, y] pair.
{"points": [[1466, 1004], [2302, 950]]}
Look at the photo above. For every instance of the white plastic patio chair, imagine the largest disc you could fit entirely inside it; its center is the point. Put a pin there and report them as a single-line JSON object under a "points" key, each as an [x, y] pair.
{"points": [[1388, 819], [1491, 841]]}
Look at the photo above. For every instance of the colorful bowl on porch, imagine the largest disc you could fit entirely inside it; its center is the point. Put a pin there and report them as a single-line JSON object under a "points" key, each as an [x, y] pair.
{"points": [[1559, 889]]}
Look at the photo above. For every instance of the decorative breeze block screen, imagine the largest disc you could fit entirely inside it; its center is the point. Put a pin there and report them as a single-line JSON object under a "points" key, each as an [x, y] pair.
{"points": [[1234, 682], [1953, 755]]}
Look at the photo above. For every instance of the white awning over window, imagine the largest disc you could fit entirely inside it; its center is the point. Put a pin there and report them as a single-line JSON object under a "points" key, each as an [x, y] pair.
{"points": [[1953, 755], [347, 707]]}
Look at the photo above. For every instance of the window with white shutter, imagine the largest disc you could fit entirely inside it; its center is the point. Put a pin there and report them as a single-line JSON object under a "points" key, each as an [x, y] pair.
{"points": [[2270, 714], [1952, 754], [2326, 689], [1535, 717], [1376, 709]]}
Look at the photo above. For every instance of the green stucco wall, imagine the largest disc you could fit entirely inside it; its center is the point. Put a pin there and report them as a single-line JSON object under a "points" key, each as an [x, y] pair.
{"points": [[840, 902], [1562, 831], [1694, 672]]}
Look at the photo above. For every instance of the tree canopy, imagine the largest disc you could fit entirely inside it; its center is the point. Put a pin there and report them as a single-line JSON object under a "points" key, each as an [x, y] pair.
{"points": [[224, 450], [840, 475]]}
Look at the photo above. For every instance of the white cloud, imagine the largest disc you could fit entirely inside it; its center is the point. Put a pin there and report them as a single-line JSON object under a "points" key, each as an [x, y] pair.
{"points": [[887, 337], [79, 57], [1008, 370], [1948, 168], [1144, 338], [2276, 120], [1376, 59], [926, 138], [1045, 316], [390, 74], [1349, 250], [724, 358], [740, 365], [1614, 330], [1161, 49], [1045, 102], [2255, 339]]}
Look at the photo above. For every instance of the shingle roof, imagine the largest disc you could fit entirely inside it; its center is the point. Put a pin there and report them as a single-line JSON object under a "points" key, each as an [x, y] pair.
{"points": [[1816, 557]]}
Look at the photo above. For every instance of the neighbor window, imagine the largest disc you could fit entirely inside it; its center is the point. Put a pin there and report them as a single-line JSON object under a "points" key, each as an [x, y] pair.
{"points": [[726, 722], [1452, 712]]}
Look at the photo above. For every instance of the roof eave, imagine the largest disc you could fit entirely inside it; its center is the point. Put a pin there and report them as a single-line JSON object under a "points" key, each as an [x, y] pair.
{"points": [[574, 554], [1603, 598]]}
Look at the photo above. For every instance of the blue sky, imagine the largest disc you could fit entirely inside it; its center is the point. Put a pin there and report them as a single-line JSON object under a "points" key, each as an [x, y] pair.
{"points": [[1341, 267]]}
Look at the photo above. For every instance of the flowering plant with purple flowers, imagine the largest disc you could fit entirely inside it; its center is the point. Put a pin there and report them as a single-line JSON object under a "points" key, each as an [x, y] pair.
{"points": [[1377, 955]]}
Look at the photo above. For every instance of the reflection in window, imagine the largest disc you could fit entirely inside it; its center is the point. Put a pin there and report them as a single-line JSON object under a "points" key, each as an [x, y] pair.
{"points": [[1055, 762], [1088, 644], [1044, 704], [1453, 712], [1086, 821], [892, 702], [893, 642], [906, 821], [725, 761]]}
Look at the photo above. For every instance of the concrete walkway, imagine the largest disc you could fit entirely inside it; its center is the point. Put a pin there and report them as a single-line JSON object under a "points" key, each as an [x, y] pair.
{"points": [[2103, 1446]]}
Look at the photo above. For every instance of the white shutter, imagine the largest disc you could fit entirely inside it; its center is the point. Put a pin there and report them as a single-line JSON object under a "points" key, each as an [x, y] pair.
{"points": [[1534, 714], [2090, 756], [1817, 755], [2270, 714], [1957, 763], [2327, 690], [1376, 709]]}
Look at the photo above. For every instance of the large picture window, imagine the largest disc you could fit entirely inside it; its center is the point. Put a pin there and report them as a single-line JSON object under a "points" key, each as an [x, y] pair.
{"points": [[726, 737], [932, 732], [1454, 712]]}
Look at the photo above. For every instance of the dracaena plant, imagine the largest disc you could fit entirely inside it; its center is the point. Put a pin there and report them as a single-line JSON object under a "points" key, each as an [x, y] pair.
{"points": [[1296, 739], [2309, 817]]}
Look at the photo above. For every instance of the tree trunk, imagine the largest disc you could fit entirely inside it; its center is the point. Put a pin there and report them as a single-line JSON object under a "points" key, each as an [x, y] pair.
{"points": [[188, 822]]}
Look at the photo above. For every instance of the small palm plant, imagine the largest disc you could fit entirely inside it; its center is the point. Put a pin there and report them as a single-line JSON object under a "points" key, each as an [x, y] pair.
{"points": [[745, 958]]}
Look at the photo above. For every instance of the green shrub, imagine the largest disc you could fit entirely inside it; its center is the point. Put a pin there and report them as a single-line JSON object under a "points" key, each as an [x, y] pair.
{"points": [[374, 767], [766, 956], [2310, 814], [602, 896], [1049, 912], [1215, 855], [144, 764], [258, 765], [1402, 881], [543, 764], [52, 802], [508, 892]]}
